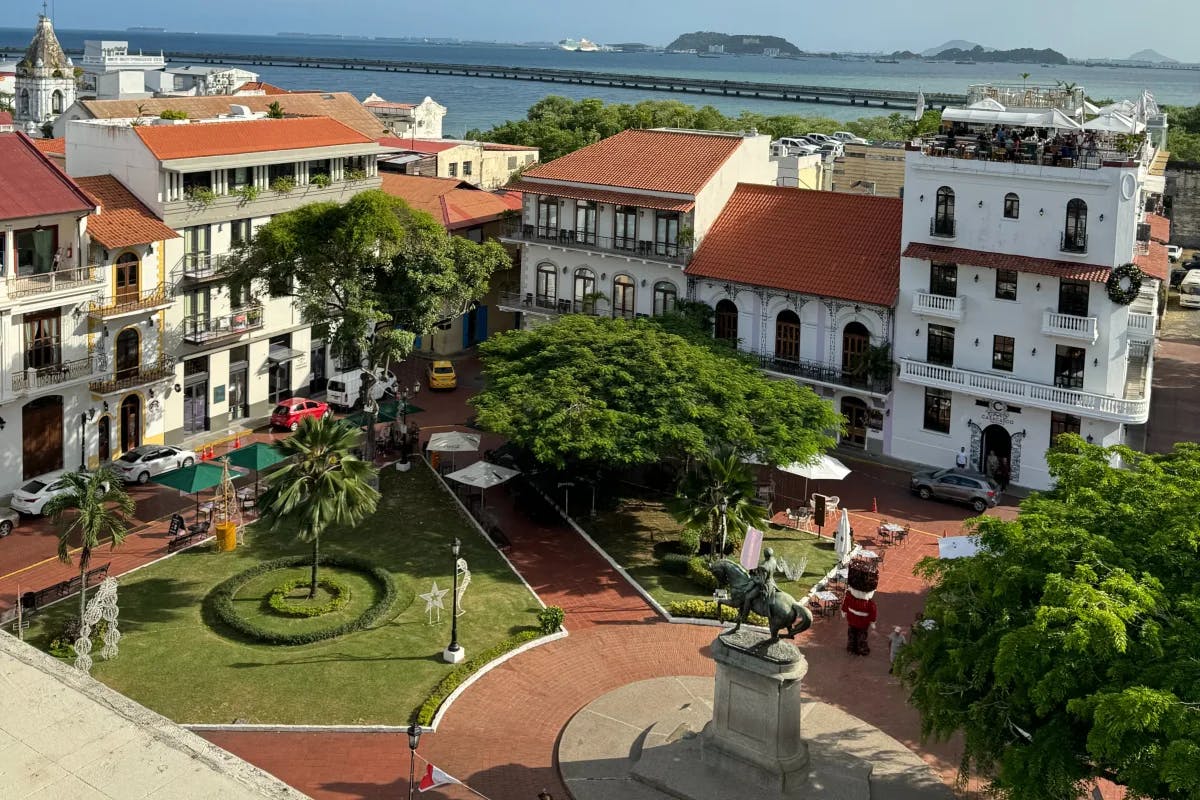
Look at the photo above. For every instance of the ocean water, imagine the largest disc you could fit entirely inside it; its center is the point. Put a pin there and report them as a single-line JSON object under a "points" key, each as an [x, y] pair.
{"points": [[481, 102]]}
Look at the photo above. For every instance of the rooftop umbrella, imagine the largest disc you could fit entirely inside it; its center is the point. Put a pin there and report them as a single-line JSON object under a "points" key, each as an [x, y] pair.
{"points": [[843, 543], [821, 468], [257, 456], [453, 442], [483, 474], [193, 479]]}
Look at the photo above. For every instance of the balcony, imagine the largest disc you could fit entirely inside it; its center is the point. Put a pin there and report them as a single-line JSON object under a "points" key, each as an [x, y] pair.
{"points": [[1133, 410], [1141, 326], [53, 374], [941, 227], [121, 305], [1069, 326], [201, 266], [1073, 243], [159, 369], [201, 330], [528, 303], [669, 252], [824, 373], [60, 280], [928, 304]]}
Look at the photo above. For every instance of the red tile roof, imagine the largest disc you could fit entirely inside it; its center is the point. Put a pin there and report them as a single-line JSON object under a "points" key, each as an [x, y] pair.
{"points": [[1160, 228], [260, 86], [453, 203], [981, 258], [197, 140], [819, 243], [652, 160], [603, 196], [1155, 262], [32, 186], [427, 146], [52, 147], [123, 220], [6, 118]]}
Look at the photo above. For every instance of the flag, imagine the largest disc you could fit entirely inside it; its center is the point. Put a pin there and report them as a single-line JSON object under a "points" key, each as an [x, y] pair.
{"points": [[919, 111], [433, 778], [751, 547]]}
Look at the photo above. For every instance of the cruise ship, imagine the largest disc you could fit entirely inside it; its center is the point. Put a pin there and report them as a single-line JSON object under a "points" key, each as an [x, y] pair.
{"points": [[581, 46]]}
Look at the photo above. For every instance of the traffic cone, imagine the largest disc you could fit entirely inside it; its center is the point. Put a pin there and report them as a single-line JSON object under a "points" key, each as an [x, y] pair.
{"points": [[237, 440]]}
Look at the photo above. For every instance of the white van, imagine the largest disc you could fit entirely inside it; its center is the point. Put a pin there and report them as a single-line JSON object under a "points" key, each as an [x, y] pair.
{"points": [[344, 390], [1189, 290]]}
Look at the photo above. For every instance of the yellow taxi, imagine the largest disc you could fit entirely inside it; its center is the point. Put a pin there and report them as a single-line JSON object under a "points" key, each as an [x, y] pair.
{"points": [[441, 375]]}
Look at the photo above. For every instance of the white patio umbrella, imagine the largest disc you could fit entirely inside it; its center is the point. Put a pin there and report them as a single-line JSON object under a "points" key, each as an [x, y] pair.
{"points": [[453, 442], [483, 474], [821, 468], [958, 546], [843, 542]]}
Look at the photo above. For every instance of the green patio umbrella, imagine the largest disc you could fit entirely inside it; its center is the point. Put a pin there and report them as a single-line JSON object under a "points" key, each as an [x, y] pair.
{"points": [[193, 479], [257, 456], [388, 412]]}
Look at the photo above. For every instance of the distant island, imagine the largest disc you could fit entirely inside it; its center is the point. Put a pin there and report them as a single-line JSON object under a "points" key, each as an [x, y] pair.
{"points": [[738, 44], [1021, 55], [1152, 57], [953, 44]]}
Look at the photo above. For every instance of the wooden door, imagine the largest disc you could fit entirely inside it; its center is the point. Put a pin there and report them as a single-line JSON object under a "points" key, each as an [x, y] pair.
{"points": [[42, 436], [128, 352], [127, 278], [104, 438], [855, 412], [787, 337], [131, 422]]}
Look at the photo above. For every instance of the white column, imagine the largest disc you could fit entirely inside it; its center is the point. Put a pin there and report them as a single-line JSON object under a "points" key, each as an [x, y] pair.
{"points": [[80, 227], [10, 253]]}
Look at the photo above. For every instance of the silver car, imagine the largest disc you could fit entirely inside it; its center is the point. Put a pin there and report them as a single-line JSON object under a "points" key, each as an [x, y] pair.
{"points": [[142, 463], [8, 521], [978, 491]]}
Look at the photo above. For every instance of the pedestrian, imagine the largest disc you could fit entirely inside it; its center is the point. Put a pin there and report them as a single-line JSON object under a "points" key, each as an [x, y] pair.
{"points": [[960, 458], [896, 640], [993, 464], [1002, 474]]}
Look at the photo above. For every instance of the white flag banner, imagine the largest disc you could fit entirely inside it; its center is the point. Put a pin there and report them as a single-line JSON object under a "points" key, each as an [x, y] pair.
{"points": [[751, 548], [434, 777], [919, 111]]}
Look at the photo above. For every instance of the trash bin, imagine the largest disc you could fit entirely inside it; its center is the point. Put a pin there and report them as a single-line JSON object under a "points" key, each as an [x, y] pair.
{"points": [[226, 536]]}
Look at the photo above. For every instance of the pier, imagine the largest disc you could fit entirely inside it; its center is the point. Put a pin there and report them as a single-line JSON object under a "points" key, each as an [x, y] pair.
{"points": [[883, 98]]}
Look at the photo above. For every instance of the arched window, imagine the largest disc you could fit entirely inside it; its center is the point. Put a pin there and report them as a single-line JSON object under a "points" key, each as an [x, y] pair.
{"points": [[943, 215], [129, 346], [1012, 206], [23, 104], [1074, 238], [726, 321], [585, 291], [787, 336], [623, 296], [56, 102], [855, 341], [547, 285], [665, 295]]}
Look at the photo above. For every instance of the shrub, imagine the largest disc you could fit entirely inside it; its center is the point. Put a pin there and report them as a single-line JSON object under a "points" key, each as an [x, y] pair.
{"points": [[676, 563], [249, 193], [456, 676], [320, 180], [63, 643], [280, 602], [200, 195], [283, 185], [222, 605], [707, 609], [699, 574], [356, 174], [550, 619], [170, 113], [689, 540]]}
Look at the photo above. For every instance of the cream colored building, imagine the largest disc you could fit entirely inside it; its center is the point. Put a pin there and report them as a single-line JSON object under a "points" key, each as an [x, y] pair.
{"points": [[421, 120], [875, 169], [486, 165]]}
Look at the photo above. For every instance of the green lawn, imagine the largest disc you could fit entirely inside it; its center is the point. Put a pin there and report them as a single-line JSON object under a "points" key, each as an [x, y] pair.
{"points": [[638, 531], [172, 660]]}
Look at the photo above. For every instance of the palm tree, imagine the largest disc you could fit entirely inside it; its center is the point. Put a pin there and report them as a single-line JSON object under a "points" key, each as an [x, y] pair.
{"points": [[717, 494], [1024, 79], [99, 509], [324, 485]]}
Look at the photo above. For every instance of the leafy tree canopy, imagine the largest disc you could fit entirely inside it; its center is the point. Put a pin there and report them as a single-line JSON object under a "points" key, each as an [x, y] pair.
{"points": [[1068, 649], [613, 392], [1183, 136], [557, 125]]}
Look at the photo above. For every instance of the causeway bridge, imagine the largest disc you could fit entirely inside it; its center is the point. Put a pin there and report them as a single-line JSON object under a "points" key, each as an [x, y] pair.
{"points": [[883, 98]]}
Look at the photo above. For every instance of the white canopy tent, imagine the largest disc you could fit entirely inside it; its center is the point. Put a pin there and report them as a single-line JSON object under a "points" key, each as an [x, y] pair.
{"points": [[1126, 107], [453, 442], [1052, 118], [1089, 108], [987, 104], [483, 475], [958, 546], [1114, 122]]}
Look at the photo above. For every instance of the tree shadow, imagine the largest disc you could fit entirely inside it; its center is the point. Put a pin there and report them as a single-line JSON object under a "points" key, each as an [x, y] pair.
{"points": [[155, 600], [508, 781]]}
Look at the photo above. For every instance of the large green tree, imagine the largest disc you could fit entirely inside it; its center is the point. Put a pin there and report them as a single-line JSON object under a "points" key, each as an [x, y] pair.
{"points": [[93, 508], [613, 392], [324, 485], [1068, 649], [1183, 136], [716, 500], [373, 271]]}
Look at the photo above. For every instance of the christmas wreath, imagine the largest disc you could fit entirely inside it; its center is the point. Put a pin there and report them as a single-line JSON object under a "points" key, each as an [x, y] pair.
{"points": [[1124, 283]]}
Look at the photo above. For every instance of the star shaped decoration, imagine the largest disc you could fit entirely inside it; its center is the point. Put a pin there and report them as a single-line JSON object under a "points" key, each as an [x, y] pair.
{"points": [[433, 598]]}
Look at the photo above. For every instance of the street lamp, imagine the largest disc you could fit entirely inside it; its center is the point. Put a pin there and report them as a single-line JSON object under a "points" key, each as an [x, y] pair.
{"points": [[414, 739], [454, 653], [404, 396], [566, 487]]}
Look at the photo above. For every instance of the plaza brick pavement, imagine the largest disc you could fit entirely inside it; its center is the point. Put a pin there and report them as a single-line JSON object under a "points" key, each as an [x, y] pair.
{"points": [[500, 735]]}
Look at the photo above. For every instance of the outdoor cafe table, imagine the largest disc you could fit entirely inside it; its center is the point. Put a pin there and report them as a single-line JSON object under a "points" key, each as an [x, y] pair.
{"points": [[890, 530], [828, 600], [867, 554]]}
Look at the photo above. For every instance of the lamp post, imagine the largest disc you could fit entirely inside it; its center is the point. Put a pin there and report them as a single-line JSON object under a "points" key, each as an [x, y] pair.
{"points": [[414, 739], [405, 444], [454, 653]]}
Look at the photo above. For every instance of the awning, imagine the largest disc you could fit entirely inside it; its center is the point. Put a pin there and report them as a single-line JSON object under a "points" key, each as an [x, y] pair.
{"points": [[1115, 122], [279, 353], [1029, 119], [604, 196]]}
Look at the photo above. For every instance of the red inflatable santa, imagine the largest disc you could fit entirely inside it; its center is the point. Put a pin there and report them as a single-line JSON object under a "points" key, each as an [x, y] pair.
{"points": [[858, 607]]}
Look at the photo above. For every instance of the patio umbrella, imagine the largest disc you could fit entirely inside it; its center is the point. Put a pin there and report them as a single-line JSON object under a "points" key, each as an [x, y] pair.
{"points": [[453, 442], [388, 412], [483, 475], [193, 479], [843, 542], [958, 546], [821, 468], [257, 456]]}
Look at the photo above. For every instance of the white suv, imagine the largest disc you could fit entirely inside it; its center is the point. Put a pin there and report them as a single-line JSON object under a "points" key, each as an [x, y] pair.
{"points": [[846, 137], [1174, 252]]}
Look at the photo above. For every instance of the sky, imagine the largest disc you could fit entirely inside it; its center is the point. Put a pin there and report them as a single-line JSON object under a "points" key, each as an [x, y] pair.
{"points": [[1078, 28]]}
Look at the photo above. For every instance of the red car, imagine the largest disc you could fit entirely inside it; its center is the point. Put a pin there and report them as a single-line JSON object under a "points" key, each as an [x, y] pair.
{"points": [[289, 412]]}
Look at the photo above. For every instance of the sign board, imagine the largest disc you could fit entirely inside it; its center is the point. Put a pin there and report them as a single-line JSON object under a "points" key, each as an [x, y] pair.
{"points": [[219, 394]]}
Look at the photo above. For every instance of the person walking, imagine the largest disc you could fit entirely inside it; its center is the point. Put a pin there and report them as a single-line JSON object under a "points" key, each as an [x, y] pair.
{"points": [[1002, 474], [993, 464], [960, 458], [896, 640]]}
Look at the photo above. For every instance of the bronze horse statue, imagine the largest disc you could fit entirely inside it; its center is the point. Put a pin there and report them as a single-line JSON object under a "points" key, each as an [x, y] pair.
{"points": [[785, 616]]}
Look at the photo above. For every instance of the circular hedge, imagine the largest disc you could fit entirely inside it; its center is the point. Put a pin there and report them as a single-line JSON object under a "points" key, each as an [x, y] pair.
{"points": [[281, 603], [223, 595]]}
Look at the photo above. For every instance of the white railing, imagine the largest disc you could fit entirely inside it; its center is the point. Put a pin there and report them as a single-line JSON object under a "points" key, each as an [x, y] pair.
{"points": [[1069, 326], [938, 305], [1141, 324], [1038, 395]]}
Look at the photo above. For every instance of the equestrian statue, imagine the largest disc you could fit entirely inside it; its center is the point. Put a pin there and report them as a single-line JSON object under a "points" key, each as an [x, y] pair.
{"points": [[756, 591]]}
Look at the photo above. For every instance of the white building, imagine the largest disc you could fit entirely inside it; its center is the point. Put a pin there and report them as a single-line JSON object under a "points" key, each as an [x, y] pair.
{"points": [[45, 82], [421, 120], [110, 71], [766, 268], [1006, 334], [199, 80], [215, 182], [609, 228]]}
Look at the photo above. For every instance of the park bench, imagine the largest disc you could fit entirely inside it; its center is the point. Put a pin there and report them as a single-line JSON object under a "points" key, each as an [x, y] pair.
{"points": [[187, 539], [32, 601]]}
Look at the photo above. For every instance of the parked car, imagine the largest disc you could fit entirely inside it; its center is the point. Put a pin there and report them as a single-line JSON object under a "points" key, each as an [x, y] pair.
{"points": [[797, 146], [1174, 252], [846, 137], [832, 150], [32, 496], [8, 521], [1189, 289], [142, 463], [978, 491], [819, 138], [289, 413], [441, 375], [344, 390]]}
